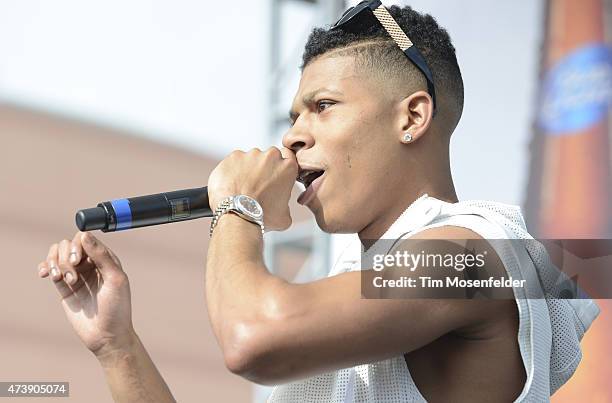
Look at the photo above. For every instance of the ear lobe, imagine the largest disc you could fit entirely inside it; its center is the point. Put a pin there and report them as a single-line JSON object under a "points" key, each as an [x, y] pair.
{"points": [[417, 115]]}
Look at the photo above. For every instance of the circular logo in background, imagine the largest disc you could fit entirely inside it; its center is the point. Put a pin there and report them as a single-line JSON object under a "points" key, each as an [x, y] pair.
{"points": [[577, 91]]}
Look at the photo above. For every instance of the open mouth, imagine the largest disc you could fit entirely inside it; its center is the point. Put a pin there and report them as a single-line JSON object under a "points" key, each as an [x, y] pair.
{"points": [[307, 176]]}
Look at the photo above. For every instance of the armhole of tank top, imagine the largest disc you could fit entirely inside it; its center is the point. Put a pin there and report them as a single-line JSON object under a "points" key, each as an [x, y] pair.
{"points": [[443, 222]]}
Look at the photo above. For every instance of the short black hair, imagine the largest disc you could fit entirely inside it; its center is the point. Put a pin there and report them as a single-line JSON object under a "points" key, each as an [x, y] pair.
{"points": [[382, 55]]}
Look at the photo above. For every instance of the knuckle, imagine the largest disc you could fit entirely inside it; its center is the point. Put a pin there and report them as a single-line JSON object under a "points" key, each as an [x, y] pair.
{"points": [[75, 249], [273, 154], [273, 150], [53, 268]]}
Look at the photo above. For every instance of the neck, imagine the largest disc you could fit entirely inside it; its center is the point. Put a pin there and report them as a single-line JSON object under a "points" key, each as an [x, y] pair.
{"points": [[441, 188]]}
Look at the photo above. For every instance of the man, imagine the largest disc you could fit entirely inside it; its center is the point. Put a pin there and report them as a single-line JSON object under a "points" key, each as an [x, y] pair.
{"points": [[369, 138]]}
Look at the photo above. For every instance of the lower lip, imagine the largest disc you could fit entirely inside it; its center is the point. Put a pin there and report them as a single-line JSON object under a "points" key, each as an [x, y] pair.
{"points": [[310, 192]]}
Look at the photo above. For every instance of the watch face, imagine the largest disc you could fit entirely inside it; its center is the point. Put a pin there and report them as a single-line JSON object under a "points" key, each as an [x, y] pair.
{"points": [[249, 206]]}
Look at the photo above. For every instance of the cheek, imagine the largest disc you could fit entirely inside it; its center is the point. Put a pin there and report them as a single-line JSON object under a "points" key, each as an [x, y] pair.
{"points": [[357, 150]]}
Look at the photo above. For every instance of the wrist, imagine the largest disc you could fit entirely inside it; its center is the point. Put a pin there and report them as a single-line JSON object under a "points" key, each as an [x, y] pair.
{"points": [[109, 354], [234, 220], [241, 205]]}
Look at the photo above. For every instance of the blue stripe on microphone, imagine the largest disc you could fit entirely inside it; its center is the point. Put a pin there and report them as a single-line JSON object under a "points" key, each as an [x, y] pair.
{"points": [[123, 213]]}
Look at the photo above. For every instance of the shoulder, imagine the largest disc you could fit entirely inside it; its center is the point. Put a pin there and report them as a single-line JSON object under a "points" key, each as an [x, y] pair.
{"points": [[460, 259]]}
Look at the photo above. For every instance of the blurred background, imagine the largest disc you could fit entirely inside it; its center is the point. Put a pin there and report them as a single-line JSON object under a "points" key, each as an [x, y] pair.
{"points": [[103, 100]]}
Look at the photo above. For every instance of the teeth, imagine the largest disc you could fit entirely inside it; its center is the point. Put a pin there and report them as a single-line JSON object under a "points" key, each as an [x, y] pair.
{"points": [[303, 174], [306, 177]]}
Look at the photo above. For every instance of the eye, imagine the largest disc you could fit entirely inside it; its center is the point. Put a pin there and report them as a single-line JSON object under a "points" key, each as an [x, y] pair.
{"points": [[322, 105]]}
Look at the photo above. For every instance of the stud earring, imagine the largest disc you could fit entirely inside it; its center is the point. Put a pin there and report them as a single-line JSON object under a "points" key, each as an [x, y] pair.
{"points": [[407, 137]]}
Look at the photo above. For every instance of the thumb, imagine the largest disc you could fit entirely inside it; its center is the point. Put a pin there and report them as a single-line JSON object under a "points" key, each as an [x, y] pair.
{"points": [[104, 259]]}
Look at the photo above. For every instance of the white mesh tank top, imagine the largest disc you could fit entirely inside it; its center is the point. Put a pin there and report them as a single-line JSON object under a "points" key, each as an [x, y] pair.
{"points": [[549, 332]]}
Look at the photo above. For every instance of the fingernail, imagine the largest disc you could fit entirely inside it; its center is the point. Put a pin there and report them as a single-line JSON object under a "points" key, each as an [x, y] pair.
{"points": [[73, 257], [54, 271], [69, 277], [40, 271]]}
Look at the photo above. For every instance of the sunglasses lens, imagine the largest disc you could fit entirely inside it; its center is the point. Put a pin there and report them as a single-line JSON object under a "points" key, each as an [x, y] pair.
{"points": [[352, 12], [347, 15]]}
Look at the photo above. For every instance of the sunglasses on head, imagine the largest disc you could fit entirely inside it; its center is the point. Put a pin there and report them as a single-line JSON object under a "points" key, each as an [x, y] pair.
{"points": [[366, 14]]}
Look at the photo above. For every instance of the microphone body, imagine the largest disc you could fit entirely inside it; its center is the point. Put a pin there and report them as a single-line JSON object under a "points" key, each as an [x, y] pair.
{"points": [[142, 211]]}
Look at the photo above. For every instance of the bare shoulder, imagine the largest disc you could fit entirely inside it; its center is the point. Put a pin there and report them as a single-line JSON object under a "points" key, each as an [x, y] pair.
{"points": [[466, 258]]}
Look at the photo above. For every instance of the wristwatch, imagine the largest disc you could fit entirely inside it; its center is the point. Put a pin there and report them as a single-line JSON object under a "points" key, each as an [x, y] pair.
{"points": [[242, 205]]}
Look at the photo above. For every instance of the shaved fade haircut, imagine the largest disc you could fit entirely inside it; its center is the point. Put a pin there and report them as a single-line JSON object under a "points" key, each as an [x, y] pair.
{"points": [[379, 56]]}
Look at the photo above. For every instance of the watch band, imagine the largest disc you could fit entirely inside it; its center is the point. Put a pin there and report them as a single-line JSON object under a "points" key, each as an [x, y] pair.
{"points": [[226, 206]]}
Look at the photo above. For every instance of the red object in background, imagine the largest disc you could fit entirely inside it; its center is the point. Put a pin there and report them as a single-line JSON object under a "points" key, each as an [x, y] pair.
{"points": [[569, 193]]}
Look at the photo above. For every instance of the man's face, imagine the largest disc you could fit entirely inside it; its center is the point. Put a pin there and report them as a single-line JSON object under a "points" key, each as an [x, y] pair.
{"points": [[343, 126]]}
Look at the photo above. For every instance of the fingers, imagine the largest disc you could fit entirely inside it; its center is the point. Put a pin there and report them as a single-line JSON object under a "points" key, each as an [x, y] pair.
{"points": [[288, 154], [105, 260], [68, 261], [274, 153], [43, 269], [76, 250], [290, 161], [55, 273], [289, 158], [51, 263], [65, 262]]}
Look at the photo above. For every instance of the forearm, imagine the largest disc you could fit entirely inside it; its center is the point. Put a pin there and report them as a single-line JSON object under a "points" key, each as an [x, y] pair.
{"points": [[239, 288], [132, 376]]}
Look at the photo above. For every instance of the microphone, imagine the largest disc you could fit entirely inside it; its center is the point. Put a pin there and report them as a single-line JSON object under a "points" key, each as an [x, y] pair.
{"points": [[142, 211]]}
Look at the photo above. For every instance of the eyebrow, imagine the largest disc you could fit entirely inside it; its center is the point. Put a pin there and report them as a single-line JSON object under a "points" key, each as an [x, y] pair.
{"points": [[307, 99]]}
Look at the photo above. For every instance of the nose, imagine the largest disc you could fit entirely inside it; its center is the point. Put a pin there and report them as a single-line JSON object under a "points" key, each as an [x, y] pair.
{"points": [[297, 139]]}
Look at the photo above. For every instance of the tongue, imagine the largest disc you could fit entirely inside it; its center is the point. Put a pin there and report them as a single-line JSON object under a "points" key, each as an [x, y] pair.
{"points": [[308, 194]]}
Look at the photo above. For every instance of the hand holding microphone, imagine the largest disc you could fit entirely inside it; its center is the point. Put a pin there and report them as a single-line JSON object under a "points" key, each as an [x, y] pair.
{"points": [[266, 176]]}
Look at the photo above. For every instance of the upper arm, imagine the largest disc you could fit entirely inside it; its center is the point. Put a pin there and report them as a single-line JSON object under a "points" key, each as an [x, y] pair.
{"points": [[327, 324]]}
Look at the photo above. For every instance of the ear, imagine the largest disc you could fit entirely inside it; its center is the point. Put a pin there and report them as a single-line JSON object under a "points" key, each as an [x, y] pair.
{"points": [[416, 114]]}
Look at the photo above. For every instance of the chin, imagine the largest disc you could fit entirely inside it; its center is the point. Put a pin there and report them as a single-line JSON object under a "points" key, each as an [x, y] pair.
{"points": [[334, 222]]}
